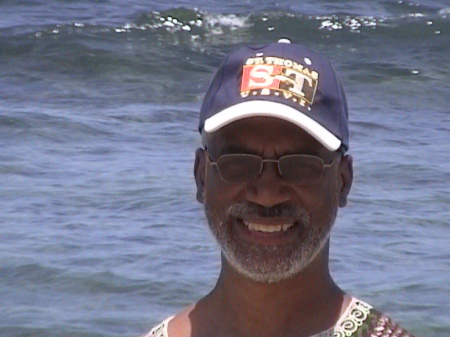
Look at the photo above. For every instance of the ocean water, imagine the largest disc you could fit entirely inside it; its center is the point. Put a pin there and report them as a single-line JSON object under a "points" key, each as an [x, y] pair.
{"points": [[100, 233]]}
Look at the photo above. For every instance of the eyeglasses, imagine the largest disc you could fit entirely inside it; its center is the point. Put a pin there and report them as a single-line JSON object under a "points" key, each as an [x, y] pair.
{"points": [[299, 169]]}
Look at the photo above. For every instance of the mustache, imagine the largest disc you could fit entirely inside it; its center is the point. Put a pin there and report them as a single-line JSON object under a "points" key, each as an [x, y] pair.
{"points": [[284, 210]]}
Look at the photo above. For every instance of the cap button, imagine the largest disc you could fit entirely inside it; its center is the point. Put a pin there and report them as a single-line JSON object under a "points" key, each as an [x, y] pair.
{"points": [[284, 41]]}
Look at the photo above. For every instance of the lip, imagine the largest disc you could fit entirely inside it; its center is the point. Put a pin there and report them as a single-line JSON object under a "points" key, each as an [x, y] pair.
{"points": [[270, 232]]}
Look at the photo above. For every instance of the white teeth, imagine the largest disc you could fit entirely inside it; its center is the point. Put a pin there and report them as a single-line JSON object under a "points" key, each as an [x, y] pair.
{"points": [[267, 228], [287, 226]]}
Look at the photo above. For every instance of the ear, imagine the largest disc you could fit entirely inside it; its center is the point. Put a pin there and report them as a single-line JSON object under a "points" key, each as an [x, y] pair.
{"points": [[346, 179], [199, 174]]}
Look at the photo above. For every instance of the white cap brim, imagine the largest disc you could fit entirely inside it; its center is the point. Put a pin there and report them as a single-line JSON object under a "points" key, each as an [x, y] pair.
{"points": [[272, 109]]}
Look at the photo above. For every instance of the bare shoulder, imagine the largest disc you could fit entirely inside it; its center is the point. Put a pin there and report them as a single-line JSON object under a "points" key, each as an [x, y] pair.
{"points": [[180, 324]]}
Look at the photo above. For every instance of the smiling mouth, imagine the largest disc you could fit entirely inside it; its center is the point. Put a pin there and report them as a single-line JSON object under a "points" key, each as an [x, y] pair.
{"points": [[267, 228]]}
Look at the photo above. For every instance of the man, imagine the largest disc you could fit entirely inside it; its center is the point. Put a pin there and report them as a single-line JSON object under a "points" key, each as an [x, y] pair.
{"points": [[271, 175]]}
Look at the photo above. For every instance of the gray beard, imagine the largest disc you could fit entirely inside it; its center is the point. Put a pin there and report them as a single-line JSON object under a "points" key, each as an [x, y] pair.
{"points": [[267, 263]]}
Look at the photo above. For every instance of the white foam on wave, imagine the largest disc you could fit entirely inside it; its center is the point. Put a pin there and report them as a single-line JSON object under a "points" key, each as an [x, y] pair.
{"points": [[214, 24], [354, 24], [444, 12], [230, 20], [169, 22]]}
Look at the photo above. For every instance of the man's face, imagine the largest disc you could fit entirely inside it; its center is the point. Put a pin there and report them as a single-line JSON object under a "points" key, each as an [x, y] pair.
{"points": [[268, 229]]}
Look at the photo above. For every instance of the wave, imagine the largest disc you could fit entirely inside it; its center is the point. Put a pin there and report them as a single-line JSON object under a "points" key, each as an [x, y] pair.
{"points": [[78, 59], [90, 48], [191, 25]]}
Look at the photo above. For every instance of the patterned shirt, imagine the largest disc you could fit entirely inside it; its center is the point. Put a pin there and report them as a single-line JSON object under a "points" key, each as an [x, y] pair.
{"points": [[359, 320]]}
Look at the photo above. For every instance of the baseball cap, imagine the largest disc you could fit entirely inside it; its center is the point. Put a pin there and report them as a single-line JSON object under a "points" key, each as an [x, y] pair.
{"points": [[282, 80]]}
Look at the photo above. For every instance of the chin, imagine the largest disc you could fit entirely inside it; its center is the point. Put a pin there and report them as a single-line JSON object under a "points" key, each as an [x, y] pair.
{"points": [[268, 263], [270, 270]]}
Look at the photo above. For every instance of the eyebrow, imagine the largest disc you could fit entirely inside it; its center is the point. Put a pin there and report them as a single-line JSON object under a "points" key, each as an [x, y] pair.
{"points": [[235, 148]]}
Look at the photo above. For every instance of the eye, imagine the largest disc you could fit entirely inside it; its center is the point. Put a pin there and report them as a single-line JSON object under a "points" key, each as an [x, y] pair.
{"points": [[239, 168], [301, 169]]}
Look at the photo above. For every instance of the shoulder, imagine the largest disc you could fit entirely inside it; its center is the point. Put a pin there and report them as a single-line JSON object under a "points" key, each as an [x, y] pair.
{"points": [[178, 325], [159, 330], [361, 319]]}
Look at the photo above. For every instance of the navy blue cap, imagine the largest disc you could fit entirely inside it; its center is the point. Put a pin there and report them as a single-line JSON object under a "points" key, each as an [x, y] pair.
{"points": [[281, 80]]}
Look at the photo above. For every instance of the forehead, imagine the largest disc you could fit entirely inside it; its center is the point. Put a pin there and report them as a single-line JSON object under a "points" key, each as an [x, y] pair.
{"points": [[263, 134]]}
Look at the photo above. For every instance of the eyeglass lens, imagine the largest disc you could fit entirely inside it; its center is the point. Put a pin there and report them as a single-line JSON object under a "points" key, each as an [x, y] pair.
{"points": [[298, 169]]}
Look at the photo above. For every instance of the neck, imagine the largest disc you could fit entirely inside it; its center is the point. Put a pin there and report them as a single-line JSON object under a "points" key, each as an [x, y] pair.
{"points": [[267, 309]]}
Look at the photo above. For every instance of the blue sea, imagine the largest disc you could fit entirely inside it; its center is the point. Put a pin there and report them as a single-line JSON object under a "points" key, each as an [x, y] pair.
{"points": [[100, 233]]}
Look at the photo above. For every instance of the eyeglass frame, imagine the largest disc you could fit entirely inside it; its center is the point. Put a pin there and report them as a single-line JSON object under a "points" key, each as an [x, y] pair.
{"points": [[324, 166]]}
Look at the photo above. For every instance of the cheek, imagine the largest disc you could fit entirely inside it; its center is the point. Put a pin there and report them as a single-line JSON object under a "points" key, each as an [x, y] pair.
{"points": [[219, 196], [330, 190], [322, 202]]}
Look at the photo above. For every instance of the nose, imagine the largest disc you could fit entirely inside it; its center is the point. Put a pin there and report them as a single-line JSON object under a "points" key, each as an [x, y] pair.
{"points": [[268, 188]]}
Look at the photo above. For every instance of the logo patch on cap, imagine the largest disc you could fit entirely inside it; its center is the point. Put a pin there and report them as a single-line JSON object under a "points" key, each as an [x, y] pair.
{"points": [[265, 76]]}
